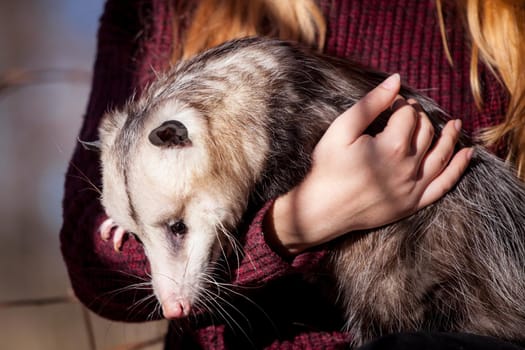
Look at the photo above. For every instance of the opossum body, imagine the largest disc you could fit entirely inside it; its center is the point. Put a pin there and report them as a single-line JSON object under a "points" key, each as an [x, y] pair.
{"points": [[236, 125]]}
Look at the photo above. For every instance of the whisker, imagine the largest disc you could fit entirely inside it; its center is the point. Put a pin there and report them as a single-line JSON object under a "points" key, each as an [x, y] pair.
{"points": [[225, 315], [143, 303], [84, 177]]}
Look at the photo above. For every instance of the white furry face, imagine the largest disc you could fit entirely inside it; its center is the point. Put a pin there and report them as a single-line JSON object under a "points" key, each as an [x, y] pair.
{"points": [[168, 197]]}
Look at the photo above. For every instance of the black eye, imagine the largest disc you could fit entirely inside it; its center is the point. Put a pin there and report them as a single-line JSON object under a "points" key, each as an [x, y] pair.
{"points": [[178, 228]]}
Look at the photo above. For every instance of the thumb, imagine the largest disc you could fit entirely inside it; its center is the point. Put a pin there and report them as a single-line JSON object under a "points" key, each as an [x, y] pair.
{"points": [[354, 121]]}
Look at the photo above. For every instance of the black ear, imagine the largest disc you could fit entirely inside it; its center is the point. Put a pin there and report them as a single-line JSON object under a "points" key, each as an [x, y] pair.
{"points": [[170, 133]]}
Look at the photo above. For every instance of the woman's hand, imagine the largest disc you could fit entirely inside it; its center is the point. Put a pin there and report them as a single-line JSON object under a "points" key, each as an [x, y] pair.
{"points": [[359, 181]]}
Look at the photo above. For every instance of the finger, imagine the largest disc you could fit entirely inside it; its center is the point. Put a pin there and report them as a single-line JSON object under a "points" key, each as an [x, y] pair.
{"points": [[424, 133], [400, 129], [447, 179], [438, 157], [354, 121]]}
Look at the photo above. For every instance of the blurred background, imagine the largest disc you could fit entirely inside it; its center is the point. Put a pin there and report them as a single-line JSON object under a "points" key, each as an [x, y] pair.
{"points": [[47, 49]]}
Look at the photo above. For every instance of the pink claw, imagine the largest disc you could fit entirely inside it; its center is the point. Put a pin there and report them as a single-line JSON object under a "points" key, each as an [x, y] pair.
{"points": [[118, 237]]}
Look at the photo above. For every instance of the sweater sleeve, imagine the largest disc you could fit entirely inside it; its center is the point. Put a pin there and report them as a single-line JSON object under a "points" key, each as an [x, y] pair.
{"points": [[134, 39], [262, 263]]}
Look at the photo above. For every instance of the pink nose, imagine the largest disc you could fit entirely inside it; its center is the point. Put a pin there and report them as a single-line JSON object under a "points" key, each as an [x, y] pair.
{"points": [[178, 308]]}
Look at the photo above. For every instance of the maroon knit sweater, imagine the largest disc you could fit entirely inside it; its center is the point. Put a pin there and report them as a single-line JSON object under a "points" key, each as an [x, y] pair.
{"points": [[135, 37]]}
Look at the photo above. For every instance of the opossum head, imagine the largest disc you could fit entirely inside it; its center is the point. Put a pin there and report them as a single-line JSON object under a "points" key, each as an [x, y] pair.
{"points": [[179, 181]]}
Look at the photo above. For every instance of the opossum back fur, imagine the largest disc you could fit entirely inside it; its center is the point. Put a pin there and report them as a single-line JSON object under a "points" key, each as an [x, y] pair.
{"points": [[457, 265]]}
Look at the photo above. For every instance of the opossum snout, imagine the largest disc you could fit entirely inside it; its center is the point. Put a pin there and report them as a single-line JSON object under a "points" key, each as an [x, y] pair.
{"points": [[170, 133], [174, 308]]}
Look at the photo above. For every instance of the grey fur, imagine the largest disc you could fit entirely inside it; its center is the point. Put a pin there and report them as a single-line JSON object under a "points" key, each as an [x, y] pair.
{"points": [[457, 265]]}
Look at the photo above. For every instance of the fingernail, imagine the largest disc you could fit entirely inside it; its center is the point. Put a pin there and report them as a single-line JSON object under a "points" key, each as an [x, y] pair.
{"points": [[392, 82], [458, 124]]}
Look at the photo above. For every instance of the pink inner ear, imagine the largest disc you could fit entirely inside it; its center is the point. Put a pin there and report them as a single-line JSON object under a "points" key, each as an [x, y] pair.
{"points": [[170, 133]]}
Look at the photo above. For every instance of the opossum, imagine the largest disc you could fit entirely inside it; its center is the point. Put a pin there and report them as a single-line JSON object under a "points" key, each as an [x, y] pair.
{"points": [[236, 125]]}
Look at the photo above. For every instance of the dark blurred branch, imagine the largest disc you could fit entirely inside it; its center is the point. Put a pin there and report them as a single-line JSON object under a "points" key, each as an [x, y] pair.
{"points": [[17, 78], [88, 324], [38, 302]]}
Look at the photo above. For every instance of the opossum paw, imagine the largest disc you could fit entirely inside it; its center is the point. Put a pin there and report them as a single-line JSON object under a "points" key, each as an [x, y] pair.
{"points": [[118, 235]]}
